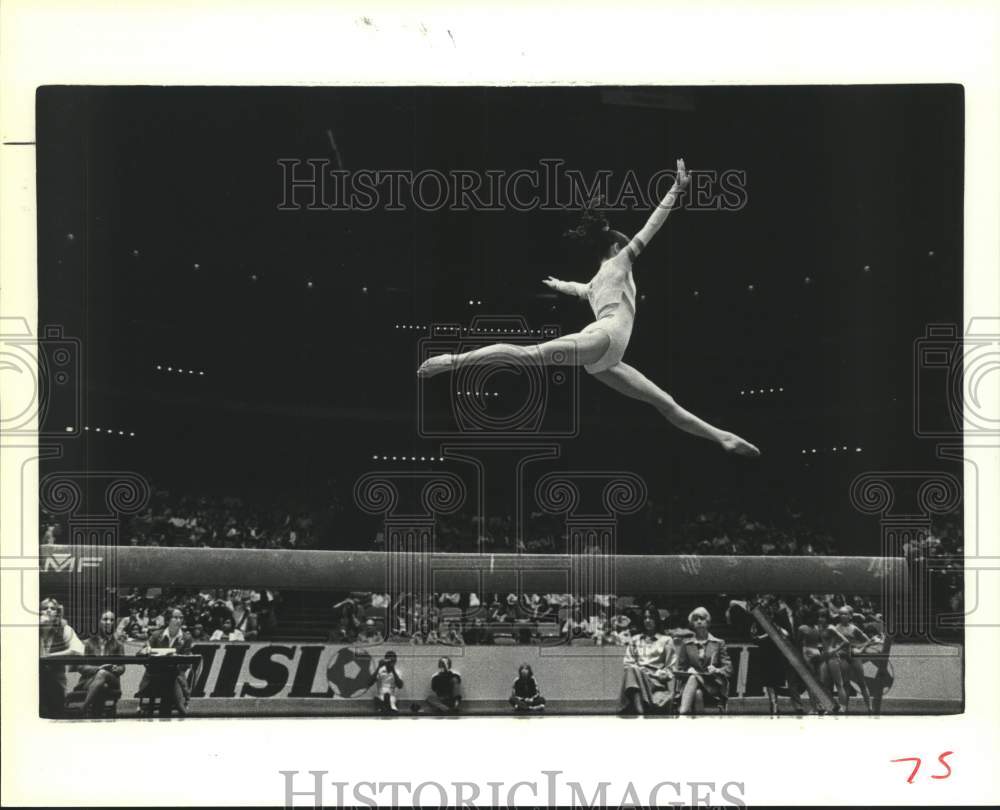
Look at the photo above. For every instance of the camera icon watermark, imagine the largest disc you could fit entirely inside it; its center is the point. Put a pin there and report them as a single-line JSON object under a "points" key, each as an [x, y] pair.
{"points": [[42, 377], [955, 380], [543, 401]]}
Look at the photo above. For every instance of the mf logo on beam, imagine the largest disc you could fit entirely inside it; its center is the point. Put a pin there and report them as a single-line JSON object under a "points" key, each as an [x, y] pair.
{"points": [[68, 563]]}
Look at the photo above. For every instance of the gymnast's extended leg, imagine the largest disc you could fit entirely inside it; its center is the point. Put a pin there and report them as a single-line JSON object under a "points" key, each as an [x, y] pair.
{"points": [[570, 350], [632, 383]]}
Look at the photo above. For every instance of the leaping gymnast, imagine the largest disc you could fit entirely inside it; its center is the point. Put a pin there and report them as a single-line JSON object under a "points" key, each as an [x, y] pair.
{"points": [[600, 346]]}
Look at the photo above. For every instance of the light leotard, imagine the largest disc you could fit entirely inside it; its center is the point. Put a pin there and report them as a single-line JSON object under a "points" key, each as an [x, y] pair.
{"points": [[611, 295]]}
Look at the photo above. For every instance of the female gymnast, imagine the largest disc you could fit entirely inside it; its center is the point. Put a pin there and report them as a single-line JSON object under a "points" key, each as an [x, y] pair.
{"points": [[600, 346], [855, 644]]}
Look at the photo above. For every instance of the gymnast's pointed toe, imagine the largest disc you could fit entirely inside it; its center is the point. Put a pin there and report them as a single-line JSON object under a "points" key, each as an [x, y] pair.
{"points": [[740, 446], [434, 365]]}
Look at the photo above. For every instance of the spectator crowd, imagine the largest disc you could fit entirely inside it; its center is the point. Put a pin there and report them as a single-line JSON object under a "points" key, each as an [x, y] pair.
{"points": [[209, 614], [319, 520]]}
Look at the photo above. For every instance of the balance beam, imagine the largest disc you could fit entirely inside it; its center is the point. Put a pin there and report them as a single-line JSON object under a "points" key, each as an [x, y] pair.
{"points": [[542, 573]]}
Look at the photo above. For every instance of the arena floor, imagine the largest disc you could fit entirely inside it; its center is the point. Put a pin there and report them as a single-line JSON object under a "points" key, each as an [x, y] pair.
{"points": [[311, 707]]}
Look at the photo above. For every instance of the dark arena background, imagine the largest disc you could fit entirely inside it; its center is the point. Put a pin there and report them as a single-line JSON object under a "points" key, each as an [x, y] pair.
{"points": [[244, 438]]}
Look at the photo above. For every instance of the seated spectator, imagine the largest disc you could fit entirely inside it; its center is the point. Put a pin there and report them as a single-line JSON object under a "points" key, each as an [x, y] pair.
{"points": [[343, 633], [445, 697], [558, 600], [400, 626], [244, 620], [575, 626], [433, 614], [621, 630], [388, 681], [524, 695], [479, 633], [454, 635], [524, 627], [55, 638], [497, 613], [167, 684], [647, 680], [537, 608], [600, 629], [219, 610], [227, 632], [97, 682], [349, 609], [135, 626], [425, 634], [370, 634], [198, 632], [703, 664], [449, 599]]}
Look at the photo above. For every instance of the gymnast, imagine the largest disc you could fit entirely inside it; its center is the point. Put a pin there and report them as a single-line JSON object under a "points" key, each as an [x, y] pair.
{"points": [[600, 346]]}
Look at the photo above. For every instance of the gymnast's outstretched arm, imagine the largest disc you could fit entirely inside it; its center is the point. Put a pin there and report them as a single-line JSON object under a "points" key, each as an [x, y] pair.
{"points": [[660, 213], [566, 287]]}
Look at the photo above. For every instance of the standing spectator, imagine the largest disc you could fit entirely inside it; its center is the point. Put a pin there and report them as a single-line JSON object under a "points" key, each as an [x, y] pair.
{"points": [[445, 697], [524, 695], [877, 653], [812, 652], [855, 645], [266, 609], [244, 620], [829, 667], [776, 670]]}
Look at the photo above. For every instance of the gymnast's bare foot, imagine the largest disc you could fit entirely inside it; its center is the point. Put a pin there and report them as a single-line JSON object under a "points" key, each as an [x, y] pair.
{"points": [[436, 365], [732, 443]]}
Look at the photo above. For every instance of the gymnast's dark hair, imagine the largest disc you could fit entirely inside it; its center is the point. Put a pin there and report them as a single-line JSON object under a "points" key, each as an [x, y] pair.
{"points": [[594, 230]]}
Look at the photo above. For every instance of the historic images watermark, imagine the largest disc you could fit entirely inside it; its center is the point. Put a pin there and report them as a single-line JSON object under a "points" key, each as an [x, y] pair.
{"points": [[316, 184], [545, 790]]}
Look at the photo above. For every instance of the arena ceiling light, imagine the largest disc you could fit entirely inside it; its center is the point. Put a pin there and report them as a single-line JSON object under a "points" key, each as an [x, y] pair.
{"points": [[178, 370], [128, 434], [376, 457]]}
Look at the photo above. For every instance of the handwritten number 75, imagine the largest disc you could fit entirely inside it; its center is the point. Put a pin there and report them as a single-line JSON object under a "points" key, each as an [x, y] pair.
{"points": [[916, 767]]}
